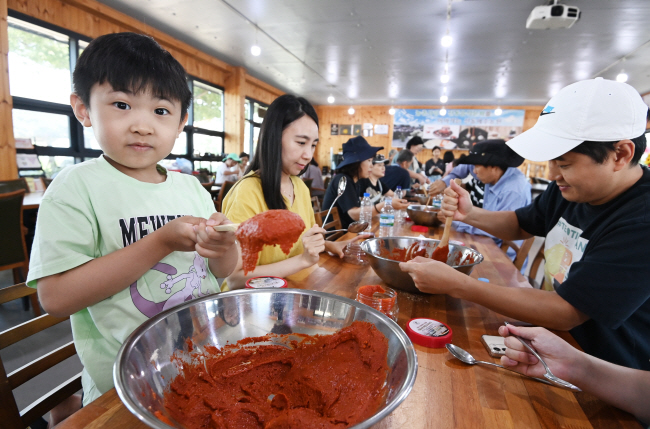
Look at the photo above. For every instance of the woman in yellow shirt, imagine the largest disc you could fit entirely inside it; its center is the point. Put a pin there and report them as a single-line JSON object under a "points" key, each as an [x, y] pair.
{"points": [[286, 144]]}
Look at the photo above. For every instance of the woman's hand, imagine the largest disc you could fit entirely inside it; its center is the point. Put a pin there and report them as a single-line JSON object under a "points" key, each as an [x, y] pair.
{"points": [[400, 204], [338, 247], [210, 243], [559, 355], [456, 202], [313, 243]]}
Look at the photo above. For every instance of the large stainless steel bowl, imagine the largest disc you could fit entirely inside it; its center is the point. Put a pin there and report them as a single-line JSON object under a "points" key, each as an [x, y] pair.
{"points": [[388, 270], [424, 215], [143, 368]]}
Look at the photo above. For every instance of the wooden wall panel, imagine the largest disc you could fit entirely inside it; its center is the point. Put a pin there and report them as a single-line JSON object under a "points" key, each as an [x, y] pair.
{"points": [[260, 91], [8, 168], [234, 96], [328, 115]]}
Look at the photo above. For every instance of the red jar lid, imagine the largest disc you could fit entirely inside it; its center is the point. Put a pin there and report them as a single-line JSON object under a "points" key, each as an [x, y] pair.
{"points": [[266, 282], [428, 332]]}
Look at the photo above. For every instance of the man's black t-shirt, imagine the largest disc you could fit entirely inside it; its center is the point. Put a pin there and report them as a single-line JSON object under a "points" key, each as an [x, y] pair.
{"points": [[598, 260], [349, 199], [376, 191]]}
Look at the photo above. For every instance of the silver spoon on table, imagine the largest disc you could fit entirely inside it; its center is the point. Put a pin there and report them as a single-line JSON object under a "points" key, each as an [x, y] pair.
{"points": [[549, 375], [342, 184], [467, 358]]}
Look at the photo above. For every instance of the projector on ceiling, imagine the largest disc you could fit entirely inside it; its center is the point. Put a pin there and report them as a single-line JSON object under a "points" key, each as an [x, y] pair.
{"points": [[552, 16]]}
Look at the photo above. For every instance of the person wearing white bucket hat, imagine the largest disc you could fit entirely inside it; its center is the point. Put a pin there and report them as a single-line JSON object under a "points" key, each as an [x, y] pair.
{"points": [[595, 217]]}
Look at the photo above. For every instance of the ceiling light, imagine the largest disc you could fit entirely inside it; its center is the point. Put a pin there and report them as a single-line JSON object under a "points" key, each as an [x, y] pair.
{"points": [[444, 99], [498, 111], [256, 50], [391, 111], [446, 40], [622, 76], [443, 111], [351, 110], [330, 99], [444, 78]]}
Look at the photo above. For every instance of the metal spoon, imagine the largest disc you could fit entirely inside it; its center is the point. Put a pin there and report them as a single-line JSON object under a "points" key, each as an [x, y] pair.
{"points": [[342, 184], [467, 358], [354, 227], [549, 375]]}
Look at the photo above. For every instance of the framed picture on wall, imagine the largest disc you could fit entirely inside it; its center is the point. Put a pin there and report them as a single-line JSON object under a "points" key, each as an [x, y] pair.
{"points": [[345, 130], [334, 129], [356, 130]]}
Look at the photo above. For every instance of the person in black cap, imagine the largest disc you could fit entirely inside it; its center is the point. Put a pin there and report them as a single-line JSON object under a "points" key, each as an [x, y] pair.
{"points": [[357, 163], [506, 188], [415, 145], [374, 185]]}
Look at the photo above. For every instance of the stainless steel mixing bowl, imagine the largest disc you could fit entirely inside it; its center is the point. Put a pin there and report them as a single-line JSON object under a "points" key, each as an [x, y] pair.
{"points": [[424, 215], [143, 368], [388, 270]]}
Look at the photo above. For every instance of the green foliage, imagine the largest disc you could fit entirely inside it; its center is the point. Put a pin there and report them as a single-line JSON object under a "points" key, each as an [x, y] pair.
{"points": [[207, 104], [39, 49]]}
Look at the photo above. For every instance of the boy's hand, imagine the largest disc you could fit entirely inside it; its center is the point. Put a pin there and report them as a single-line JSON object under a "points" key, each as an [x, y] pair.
{"points": [[179, 234], [210, 243]]}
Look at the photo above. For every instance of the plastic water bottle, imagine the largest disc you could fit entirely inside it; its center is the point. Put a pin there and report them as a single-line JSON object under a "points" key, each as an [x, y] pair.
{"points": [[400, 215], [387, 219], [366, 210]]}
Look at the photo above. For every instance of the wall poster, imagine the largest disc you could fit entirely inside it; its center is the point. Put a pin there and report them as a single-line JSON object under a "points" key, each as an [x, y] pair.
{"points": [[458, 129]]}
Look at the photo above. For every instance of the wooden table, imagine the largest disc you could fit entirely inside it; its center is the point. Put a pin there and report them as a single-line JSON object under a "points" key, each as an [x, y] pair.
{"points": [[447, 393], [32, 200]]}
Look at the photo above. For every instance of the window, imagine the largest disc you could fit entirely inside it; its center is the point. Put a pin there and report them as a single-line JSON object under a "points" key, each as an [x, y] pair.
{"points": [[41, 60], [254, 112], [42, 112]]}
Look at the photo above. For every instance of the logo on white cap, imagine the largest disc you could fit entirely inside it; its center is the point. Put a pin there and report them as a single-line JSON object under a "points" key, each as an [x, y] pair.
{"points": [[589, 110]]}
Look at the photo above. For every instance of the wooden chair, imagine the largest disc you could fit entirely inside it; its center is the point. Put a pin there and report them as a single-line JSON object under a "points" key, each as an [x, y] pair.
{"points": [[534, 267], [13, 251], [7, 186], [522, 252], [333, 222], [225, 187], [10, 416]]}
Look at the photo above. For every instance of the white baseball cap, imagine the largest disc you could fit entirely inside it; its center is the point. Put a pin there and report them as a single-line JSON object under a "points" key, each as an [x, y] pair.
{"points": [[589, 110]]}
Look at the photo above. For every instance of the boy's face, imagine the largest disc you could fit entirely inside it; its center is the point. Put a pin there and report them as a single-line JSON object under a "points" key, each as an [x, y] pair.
{"points": [[581, 179], [135, 131]]}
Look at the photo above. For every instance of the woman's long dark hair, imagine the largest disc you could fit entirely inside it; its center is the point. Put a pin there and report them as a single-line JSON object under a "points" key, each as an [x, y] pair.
{"points": [[267, 161]]}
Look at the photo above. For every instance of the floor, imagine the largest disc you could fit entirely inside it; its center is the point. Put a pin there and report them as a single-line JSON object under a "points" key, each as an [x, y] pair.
{"points": [[17, 355]]}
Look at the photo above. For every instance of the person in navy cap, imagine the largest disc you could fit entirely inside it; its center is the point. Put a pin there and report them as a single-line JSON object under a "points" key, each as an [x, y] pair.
{"points": [[505, 187], [356, 164]]}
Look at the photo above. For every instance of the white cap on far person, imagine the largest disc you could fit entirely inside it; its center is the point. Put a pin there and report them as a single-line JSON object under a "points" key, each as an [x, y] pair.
{"points": [[590, 110]]}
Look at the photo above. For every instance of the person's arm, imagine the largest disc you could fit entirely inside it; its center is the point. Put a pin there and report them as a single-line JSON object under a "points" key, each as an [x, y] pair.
{"points": [[535, 306], [313, 243], [502, 224], [70, 291], [625, 388], [417, 176]]}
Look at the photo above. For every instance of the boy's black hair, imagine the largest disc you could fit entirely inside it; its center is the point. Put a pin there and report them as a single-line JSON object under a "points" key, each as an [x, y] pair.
{"points": [[599, 151], [133, 63], [267, 161]]}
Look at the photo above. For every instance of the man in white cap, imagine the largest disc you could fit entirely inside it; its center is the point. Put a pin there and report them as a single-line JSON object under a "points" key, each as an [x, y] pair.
{"points": [[596, 220]]}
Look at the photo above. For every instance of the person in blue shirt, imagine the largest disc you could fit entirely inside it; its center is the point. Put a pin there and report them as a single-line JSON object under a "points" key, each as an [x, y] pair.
{"points": [[398, 174], [506, 188]]}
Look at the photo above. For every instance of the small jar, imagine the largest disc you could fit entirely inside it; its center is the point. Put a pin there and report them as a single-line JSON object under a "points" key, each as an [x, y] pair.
{"points": [[381, 298], [266, 282]]}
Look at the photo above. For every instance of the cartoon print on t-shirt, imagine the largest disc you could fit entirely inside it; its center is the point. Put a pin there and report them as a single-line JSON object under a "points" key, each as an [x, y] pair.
{"points": [[564, 245], [193, 277]]}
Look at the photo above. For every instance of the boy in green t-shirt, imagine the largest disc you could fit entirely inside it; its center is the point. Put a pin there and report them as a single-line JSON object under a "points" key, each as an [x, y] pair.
{"points": [[118, 238]]}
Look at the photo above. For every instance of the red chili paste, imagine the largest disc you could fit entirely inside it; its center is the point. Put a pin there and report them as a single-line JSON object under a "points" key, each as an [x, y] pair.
{"points": [[271, 227], [324, 381], [441, 254]]}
